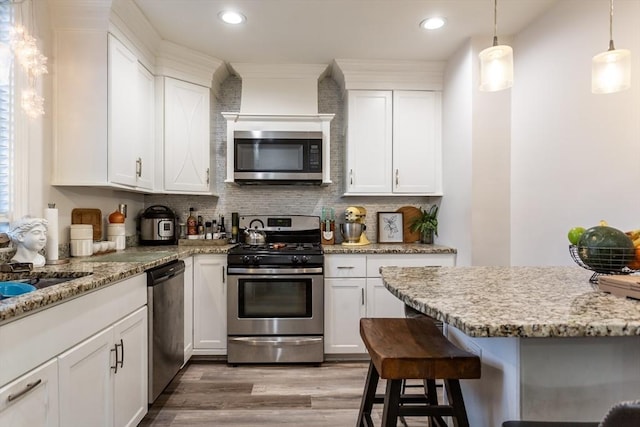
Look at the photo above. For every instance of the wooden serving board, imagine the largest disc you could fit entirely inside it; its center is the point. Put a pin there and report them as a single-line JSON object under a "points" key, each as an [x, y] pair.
{"points": [[410, 213], [89, 216]]}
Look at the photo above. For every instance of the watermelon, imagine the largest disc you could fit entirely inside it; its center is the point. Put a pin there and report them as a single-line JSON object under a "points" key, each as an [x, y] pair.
{"points": [[605, 249]]}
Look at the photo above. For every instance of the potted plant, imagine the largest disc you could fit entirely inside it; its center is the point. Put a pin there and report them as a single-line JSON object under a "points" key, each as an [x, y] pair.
{"points": [[426, 224]]}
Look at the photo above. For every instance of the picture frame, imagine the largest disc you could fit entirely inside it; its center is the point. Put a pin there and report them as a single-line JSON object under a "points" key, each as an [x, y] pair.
{"points": [[390, 227]]}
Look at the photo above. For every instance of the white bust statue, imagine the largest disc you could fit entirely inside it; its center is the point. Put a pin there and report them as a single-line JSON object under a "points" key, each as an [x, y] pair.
{"points": [[29, 235]]}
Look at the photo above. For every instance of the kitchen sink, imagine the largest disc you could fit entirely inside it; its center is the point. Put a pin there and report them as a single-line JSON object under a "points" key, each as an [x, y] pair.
{"points": [[44, 282]]}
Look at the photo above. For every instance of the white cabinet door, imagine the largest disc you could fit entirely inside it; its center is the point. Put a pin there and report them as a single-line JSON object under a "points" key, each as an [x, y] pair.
{"points": [[130, 379], [345, 304], [31, 400], [369, 138], [416, 142], [188, 308], [123, 113], [381, 302], [86, 393], [145, 144], [186, 137], [209, 304]]}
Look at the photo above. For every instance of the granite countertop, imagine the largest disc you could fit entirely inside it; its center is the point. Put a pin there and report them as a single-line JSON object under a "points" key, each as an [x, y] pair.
{"points": [[92, 273], [515, 301], [388, 248]]}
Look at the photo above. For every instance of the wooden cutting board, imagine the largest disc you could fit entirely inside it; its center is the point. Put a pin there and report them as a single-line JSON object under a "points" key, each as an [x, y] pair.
{"points": [[410, 213], [89, 216]]}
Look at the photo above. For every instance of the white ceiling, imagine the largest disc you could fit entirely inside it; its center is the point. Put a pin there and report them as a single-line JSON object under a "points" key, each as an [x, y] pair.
{"points": [[318, 31]]}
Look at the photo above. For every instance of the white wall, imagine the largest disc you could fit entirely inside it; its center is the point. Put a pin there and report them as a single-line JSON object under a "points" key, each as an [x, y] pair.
{"points": [[454, 226], [575, 156]]}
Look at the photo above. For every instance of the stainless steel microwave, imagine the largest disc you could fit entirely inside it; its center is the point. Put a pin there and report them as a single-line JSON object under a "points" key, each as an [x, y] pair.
{"points": [[277, 157]]}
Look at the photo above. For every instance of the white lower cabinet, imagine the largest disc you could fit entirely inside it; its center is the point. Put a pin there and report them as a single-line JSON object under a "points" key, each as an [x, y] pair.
{"points": [[354, 289], [188, 308], [209, 305], [103, 380], [32, 400]]}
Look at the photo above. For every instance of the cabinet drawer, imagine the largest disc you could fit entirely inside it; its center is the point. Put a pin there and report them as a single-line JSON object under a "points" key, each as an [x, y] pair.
{"points": [[374, 262], [345, 265]]}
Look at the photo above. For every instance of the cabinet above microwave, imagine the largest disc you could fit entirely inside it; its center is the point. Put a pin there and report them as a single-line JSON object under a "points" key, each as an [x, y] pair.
{"points": [[278, 149]]}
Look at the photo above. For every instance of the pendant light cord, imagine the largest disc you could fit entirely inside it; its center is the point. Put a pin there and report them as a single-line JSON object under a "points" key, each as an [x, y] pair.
{"points": [[611, 47], [495, 22]]}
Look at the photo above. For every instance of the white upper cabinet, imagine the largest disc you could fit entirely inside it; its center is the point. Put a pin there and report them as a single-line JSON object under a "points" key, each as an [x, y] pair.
{"points": [[417, 159], [109, 107], [187, 157], [130, 134], [393, 143]]}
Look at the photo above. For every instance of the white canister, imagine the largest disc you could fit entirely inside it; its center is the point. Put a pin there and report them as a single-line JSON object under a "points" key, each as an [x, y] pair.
{"points": [[115, 233], [81, 232], [81, 247]]}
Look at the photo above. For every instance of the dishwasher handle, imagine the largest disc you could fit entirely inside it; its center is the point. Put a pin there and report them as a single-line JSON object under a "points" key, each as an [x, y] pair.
{"points": [[164, 272]]}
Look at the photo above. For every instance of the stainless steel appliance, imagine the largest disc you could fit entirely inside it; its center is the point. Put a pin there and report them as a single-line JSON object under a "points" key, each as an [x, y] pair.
{"points": [[165, 299], [353, 229], [275, 294], [158, 226], [277, 157]]}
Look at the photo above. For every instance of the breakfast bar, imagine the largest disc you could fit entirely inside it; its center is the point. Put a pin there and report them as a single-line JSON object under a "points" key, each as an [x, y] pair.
{"points": [[552, 345]]}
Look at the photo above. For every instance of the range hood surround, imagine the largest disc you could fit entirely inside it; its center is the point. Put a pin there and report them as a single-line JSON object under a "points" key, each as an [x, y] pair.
{"points": [[279, 97]]}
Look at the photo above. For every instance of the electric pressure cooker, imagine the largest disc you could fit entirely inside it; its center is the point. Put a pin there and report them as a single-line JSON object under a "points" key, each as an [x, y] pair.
{"points": [[158, 226]]}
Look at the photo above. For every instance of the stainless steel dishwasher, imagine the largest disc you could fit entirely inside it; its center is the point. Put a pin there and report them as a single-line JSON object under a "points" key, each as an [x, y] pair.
{"points": [[165, 299]]}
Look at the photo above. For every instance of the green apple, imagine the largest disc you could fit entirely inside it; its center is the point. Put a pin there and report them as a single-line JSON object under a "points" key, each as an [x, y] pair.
{"points": [[574, 235]]}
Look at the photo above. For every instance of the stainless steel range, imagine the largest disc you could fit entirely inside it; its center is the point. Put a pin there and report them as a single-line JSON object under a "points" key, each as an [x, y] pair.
{"points": [[275, 295]]}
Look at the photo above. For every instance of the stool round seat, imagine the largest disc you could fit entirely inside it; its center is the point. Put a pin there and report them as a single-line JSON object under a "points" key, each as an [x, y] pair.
{"points": [[414, 348]]}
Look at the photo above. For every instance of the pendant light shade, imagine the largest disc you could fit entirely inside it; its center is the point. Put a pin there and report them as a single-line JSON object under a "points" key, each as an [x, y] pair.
{"points": [[496, 62], [611, 70]]}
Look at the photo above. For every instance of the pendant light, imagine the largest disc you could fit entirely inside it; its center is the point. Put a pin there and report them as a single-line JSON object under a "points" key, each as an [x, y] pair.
{"points": [[611, 70], [496, 62]]}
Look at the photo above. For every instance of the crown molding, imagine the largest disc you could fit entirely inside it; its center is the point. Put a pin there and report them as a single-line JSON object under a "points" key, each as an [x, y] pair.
{"points": [[80, 14], [388, 75]]}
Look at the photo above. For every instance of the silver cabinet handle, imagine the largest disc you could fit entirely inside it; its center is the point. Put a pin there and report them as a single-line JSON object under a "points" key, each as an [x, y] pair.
{"points": [[224, 276], [343, 267], [351, 175], [115, 366], [362, 292], [27, 389], [138, 167], [397, 177], [208, 175]]}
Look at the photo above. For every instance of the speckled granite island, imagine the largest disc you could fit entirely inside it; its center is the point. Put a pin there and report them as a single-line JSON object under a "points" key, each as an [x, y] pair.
{"points": [[552, 346]]}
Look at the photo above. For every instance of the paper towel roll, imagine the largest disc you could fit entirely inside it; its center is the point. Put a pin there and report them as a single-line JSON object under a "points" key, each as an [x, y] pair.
{"points": [[51, 215]]}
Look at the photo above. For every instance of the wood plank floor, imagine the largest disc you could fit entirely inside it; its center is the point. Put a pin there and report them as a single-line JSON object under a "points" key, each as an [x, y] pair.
{"points": [[217, 394]]}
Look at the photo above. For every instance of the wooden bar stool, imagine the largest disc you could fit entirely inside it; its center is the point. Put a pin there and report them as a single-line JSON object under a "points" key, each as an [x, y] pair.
{"points": [[413, 348]]}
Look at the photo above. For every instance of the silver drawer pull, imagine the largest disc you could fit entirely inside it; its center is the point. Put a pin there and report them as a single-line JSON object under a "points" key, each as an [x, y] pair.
{"points": [[341, 267], [27, 389]]}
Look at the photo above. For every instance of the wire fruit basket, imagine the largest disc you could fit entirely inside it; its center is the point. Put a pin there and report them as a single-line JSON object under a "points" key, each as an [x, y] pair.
{"points": [[603, 261]]}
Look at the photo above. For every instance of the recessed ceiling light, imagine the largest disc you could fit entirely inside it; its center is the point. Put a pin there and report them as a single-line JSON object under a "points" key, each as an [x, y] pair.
{"points": [[232, 17], [433, 23]]}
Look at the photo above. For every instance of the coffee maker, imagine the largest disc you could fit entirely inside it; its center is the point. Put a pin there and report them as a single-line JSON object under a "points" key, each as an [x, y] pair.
{"points": [[353, 229]]}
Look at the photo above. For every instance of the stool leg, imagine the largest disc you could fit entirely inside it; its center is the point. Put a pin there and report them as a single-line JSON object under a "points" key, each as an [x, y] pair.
{"points": [[391, 403], [364, 416], [454, 393]]}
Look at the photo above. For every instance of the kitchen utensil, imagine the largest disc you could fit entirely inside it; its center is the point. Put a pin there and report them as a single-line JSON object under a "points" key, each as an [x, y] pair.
{"points": [[353, 229], [253, 236], [89, 216], [410, 213], [12, 289]]}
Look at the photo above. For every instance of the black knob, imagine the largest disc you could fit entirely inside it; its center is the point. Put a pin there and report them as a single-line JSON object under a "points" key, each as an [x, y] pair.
{"points": [[294, 259], [305, 259], [246, 259], [256, 260]]}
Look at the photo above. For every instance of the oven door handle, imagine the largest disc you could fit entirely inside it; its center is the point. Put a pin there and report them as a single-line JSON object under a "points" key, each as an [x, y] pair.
{"points": [[280, 341], [273, 271]]}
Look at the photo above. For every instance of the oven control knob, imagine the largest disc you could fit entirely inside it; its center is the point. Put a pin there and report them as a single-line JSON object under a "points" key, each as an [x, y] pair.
{"points": [[256, 260], [246, 259], [304, 259], [294, 259]]}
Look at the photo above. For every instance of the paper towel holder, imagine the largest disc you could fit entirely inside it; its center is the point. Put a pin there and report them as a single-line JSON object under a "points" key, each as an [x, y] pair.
{"points": [[59, 260]]}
